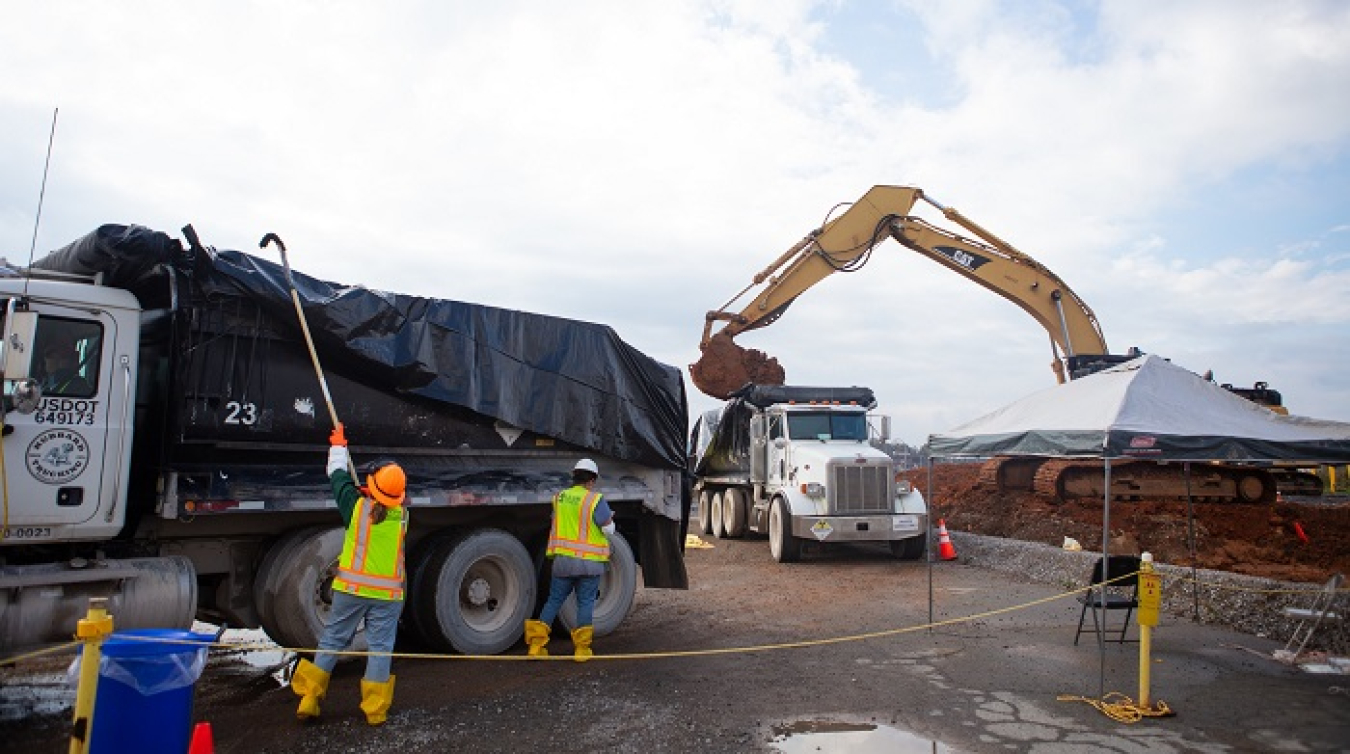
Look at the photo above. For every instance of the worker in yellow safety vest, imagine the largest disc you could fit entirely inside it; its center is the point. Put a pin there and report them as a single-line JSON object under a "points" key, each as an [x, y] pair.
{"points": [[578, 544], [368, 586]]}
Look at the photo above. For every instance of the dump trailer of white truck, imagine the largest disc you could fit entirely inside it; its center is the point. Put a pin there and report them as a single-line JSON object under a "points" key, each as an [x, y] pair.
{"points": [[180, 471], [796, 463]]}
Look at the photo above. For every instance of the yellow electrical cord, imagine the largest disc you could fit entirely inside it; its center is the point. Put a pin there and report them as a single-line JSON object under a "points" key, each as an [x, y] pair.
{"points": [[1121, 708]]}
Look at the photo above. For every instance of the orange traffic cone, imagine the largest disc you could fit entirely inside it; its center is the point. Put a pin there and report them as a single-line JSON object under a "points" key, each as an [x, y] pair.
{"points": [[946, 551], [202, 742]]}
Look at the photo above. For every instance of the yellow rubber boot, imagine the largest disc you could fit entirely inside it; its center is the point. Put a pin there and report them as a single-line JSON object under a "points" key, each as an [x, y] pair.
{"points": [[536, 635], [581, 639], [310, 684], [376, 699]]}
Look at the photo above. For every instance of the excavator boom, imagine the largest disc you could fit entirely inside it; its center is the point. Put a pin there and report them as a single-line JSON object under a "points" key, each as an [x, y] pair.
{"points": [[844, 244]]}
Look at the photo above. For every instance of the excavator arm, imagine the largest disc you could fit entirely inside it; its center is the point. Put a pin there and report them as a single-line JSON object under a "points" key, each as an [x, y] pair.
{"points": [[845, 243]]}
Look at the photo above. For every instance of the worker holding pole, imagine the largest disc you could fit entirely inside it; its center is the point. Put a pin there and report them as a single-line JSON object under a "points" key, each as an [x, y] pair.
{"points": [[369, 584]]}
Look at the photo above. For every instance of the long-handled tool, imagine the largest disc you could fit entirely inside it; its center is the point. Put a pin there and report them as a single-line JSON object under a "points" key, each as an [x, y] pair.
{"points": [[304, 328]]}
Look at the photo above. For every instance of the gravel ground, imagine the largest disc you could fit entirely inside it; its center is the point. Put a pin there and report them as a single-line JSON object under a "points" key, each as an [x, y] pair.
{"points": [[1247, 604], [758, 656]]}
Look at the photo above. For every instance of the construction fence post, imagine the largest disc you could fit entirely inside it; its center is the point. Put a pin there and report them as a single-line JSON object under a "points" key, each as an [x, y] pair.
{"points": [[92, 629]]}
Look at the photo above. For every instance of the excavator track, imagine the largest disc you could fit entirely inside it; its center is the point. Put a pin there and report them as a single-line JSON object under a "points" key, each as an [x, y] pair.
{"points": [[1068, 480], [1009, 474]]}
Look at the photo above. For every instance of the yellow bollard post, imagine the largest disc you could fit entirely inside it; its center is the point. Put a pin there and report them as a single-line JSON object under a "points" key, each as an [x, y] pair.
{"points": [[92, 628], [1150, 601]]}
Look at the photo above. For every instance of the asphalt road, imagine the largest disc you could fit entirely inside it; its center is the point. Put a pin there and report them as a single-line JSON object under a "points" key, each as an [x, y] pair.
{"points": [[827, 655]]}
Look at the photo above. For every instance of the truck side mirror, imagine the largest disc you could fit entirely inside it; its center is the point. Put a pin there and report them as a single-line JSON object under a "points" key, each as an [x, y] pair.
{"points": [[26, 396], [882, 426], [20, 331]]}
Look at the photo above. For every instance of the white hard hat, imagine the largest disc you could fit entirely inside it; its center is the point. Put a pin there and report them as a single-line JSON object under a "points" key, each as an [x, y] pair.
{"points": [[587, 464]]}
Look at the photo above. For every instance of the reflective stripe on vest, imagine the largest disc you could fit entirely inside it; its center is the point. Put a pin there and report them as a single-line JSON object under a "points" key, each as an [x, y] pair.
{"points": [[568, 535], [371, 564]]}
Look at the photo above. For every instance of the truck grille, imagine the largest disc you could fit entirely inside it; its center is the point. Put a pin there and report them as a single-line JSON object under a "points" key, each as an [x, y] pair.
{"points": [[855, 488]]}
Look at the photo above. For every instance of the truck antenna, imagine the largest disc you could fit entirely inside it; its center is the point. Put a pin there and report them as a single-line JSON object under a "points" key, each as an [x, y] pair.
{"points": [[42, 192]]}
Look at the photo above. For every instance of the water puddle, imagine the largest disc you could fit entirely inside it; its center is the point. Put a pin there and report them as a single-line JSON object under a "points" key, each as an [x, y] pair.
{"points": [[836, 737]]}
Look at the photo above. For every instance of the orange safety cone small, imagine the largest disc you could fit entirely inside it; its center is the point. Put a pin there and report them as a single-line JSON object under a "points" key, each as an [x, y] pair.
{"points": [[202, 741], [946, 551]]}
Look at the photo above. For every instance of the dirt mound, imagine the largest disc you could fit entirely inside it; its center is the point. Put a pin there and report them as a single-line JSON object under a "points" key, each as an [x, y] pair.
{"points": [[1253, 539], [725, 367]]}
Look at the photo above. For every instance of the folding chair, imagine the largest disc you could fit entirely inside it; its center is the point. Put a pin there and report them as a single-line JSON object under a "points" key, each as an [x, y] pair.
{"points": [[1309, 618], [1117, 595]]}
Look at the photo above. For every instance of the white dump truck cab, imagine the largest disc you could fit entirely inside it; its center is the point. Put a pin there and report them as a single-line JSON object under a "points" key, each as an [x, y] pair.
{"points": [[805, 471]]}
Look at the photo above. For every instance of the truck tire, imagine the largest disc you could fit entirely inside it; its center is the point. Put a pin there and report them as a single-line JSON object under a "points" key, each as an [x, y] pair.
{"points": [[718, 527], [909, 549], [475, 593], [303, 595], [784, 547], [705, 525], [618, 588], [266, 575], [418, 556], [733, 513]]}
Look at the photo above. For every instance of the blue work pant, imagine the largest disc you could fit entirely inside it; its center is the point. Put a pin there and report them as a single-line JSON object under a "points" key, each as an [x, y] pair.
{"points": [[381, 618], [586, 587]]}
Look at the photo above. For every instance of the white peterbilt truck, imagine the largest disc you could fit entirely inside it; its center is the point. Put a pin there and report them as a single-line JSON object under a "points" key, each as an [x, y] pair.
{"points": [[796, 463], [176, 465]]}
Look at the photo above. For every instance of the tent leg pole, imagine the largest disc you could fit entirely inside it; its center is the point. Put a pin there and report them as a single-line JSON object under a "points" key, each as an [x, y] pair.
{"points": [[1106, 553], [928, 544], [1190, 542]]}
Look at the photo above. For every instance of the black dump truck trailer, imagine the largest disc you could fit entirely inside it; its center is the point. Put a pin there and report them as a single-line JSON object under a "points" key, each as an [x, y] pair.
{"points": [[183, 476]]}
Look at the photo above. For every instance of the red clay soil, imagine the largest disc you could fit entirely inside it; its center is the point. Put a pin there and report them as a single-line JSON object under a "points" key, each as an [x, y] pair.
{"points": [[725, 367], [1252, 539]]}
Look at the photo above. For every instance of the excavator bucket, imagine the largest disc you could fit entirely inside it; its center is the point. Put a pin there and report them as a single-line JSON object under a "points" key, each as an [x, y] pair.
{"points": [[725, 366]]}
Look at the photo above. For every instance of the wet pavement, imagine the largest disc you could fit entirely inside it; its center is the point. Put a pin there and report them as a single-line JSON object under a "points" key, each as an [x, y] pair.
{"points": [[845, 670]]}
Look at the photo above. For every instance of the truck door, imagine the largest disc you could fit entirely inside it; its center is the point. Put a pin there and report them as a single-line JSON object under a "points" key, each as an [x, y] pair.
{"points": [[777, 452], [55, 467]]}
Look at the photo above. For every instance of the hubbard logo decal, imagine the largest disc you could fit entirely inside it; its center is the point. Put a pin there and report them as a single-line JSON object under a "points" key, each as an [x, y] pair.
{"points": [[57, 456]]}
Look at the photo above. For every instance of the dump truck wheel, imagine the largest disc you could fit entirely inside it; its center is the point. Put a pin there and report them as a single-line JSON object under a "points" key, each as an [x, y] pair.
{"points": [[618, 588], [718, 523], [418, 556], [266, 576], [912, 548], [784, 547], [476, 593], [304, 589], [733, 513], [705, 525]]}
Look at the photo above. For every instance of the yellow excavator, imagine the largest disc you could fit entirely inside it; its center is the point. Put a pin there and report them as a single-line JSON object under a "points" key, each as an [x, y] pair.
{"points": [[844, 244]]}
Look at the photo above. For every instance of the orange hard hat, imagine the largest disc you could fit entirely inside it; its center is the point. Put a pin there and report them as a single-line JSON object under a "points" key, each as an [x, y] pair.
{"points": [[387, 484]]}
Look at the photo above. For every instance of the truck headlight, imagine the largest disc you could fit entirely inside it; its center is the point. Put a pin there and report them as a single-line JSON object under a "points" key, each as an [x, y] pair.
{"points": [[813, 489]]}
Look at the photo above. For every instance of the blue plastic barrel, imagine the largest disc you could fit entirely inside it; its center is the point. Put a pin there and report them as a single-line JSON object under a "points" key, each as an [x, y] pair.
{"points": [[145, 690]]}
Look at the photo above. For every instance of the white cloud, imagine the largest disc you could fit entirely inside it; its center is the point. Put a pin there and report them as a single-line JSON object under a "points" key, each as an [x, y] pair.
{"points": [[637, 163]]}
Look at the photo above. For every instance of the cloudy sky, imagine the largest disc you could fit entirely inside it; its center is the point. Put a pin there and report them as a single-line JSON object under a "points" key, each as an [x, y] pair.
{"points": [[1183, 165]]}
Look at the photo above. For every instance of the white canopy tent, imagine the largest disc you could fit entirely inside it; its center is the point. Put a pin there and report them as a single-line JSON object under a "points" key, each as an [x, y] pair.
{"points": [[1144, 409]]}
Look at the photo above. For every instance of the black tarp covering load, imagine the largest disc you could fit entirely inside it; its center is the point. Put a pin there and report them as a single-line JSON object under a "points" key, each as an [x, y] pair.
{"points": [[574, 381]]}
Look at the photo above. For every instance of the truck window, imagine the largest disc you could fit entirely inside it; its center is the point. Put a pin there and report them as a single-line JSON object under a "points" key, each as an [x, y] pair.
{"points": [[67, 360], [827, 425]]}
